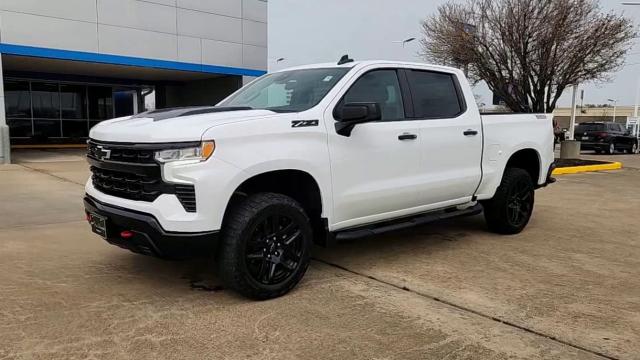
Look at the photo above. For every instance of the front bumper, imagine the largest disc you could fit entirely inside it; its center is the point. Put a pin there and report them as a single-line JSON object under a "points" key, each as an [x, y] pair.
{"points": [[149, 238]]}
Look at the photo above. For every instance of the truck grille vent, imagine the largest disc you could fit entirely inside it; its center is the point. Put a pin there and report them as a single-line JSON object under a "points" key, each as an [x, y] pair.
{"points": [[187, 196], [141, 188], [136, 156], [126, 185]]}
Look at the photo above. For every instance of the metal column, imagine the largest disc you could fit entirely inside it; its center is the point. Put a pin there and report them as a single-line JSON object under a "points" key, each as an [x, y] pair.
{"points": [[5, 147]]}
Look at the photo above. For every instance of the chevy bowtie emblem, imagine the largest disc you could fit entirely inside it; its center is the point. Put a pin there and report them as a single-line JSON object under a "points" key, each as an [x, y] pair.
{"points": [[102, 153]]}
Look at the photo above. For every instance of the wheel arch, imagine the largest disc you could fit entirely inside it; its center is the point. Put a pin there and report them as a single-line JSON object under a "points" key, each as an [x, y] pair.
{"points": [[298, 184], [527, 159]]}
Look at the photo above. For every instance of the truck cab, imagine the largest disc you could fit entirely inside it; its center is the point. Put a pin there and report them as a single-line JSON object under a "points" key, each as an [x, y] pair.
{"points": [[311, 154]]}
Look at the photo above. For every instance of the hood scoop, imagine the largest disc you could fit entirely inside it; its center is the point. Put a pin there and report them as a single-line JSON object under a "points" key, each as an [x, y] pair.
{"points": [[163, 114]]}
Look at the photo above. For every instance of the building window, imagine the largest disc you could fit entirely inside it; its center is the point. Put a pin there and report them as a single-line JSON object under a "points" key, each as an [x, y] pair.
{"points": [[73, 99], [42, 110], [45, 100], [18, 108]]}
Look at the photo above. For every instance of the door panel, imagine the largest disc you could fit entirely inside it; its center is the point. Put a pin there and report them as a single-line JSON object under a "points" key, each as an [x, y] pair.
{"points": [[451, 137], [376, 169], [373, 171]]}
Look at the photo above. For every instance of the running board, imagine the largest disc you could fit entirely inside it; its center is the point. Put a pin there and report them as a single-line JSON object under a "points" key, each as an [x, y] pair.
{"points": [[404, 223]]}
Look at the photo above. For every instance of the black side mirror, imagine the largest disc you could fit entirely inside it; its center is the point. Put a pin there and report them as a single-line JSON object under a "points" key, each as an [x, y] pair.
{"points": [[351, 114]]}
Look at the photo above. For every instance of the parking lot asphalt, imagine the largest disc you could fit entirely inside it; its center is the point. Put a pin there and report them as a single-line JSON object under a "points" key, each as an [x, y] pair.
{"points": [[568, 287]]}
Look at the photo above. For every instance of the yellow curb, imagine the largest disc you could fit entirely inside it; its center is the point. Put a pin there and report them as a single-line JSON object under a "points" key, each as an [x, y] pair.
{"points": [[587, 168]]}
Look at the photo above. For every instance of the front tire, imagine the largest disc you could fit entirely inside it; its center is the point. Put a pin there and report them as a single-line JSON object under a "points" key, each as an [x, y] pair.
{"points": [[266, 245], [611, 149], [510, 209], [633, 149]]}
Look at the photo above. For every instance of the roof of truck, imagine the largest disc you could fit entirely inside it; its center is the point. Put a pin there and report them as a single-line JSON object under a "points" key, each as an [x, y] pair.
{"points": [[363, 63]]}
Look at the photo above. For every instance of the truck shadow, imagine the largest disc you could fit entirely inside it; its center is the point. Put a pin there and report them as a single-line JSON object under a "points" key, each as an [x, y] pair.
{"points": [[429, 239], [199, 274]]}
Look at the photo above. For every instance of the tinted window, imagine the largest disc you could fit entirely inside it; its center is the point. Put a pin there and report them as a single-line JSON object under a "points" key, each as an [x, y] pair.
{"points": [[382, 87], [434, 94], [582, 128], [46, 100], [73, 101], [17, 99], [100, 103]]}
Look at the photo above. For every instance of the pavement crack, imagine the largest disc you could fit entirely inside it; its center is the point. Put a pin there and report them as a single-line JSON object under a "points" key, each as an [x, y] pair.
{"points": [[469, 310], [10, 227], [50, 174]]}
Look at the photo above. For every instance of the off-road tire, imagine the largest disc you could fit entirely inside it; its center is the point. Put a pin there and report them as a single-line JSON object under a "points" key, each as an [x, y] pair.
{"points": [[497, 210], [239, 228]]}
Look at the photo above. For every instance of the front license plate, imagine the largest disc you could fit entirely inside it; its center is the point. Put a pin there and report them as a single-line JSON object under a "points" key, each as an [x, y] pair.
{"points": [[98, 224]]}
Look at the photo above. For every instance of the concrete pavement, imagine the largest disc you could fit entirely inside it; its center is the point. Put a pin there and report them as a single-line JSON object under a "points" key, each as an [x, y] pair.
{"points": [[566, 288]]}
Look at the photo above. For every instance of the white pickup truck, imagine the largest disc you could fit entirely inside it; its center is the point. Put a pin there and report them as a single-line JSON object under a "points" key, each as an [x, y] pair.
{"points": [[311, 154]]}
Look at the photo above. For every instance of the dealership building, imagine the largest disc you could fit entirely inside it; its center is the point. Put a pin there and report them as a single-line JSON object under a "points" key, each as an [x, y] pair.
{"points": [[68, 64]]}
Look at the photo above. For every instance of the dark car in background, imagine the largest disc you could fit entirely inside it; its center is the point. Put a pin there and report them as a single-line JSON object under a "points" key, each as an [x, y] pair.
{"points": [[607, 137]]}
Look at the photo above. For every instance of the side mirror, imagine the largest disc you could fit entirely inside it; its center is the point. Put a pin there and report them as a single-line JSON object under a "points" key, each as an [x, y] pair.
{"points": [[351, 114]]}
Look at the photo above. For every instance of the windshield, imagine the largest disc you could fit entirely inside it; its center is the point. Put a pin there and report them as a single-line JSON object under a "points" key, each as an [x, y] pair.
{"points": [[287, 91]]}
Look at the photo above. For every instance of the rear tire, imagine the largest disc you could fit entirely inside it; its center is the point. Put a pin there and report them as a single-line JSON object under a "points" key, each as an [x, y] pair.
{"points": [[611, 149], [633, 149], [266, 245], [510, 209]]}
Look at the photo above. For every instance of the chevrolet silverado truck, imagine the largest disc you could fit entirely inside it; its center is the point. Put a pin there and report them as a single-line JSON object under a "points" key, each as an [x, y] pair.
{"points": [[311, 154]]}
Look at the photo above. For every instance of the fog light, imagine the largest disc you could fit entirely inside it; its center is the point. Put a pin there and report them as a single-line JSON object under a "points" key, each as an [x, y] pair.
{"points": [[126, 234]]}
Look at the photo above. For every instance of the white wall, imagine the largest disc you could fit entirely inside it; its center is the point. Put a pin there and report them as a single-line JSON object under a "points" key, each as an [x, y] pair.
{"points": [[212, 32]]}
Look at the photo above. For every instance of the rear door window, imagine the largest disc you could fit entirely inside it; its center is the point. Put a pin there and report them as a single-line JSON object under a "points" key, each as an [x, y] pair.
{"points": [[435, 95]]}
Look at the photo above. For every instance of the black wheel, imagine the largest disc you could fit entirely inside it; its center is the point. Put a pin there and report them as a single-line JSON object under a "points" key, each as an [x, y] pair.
{"points": [[510, 209], [633, 149], [611, 149], [265, 246]]}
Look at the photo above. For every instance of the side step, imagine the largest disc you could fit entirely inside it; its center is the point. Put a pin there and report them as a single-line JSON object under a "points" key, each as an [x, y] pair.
{"points": [[407, 222]]}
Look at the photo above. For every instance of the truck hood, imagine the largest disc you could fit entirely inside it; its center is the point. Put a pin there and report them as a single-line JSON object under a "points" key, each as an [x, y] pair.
{"points": [[172, 125]]}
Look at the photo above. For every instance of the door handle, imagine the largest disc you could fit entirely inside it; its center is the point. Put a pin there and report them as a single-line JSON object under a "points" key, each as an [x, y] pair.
{"points": [[407, 137], [470, 132]]}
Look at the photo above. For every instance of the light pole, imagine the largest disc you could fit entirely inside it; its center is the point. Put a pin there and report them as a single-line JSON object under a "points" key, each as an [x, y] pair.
{"points": [[615, 106], [405, 41], [637, 104]]}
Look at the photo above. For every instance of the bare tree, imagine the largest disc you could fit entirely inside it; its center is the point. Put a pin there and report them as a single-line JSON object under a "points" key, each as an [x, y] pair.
{"points": [[528, 51]]}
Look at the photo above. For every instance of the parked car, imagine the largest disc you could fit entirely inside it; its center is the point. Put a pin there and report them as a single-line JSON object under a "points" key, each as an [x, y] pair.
{"points": [[605, 137], [315, 153]]}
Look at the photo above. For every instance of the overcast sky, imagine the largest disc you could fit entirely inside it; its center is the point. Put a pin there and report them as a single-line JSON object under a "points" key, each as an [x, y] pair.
{"points": [[305, 31]]}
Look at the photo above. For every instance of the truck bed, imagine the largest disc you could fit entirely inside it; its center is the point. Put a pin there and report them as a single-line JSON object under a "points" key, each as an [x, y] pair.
{"points": [[506, 133]]}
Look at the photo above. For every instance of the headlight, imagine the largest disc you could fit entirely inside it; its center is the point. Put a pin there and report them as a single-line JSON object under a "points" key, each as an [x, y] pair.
{"points": [[198, 153]]}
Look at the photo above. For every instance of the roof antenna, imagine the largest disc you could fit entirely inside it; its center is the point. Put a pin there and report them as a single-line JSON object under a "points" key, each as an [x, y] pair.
{"points": [[344, 59]]}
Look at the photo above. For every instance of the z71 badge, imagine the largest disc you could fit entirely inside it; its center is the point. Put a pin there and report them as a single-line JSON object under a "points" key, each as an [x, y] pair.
{"points": [[303, 123]]}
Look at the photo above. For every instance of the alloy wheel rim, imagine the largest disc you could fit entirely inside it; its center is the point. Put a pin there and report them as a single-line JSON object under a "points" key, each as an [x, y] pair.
{"points": [[274, 250], [520, 203], [612, 148]]}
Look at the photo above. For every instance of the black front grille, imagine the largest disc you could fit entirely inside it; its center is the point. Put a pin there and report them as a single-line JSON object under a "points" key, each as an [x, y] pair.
{"points": [[132, 173], [127, 185], [120, 154]]}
